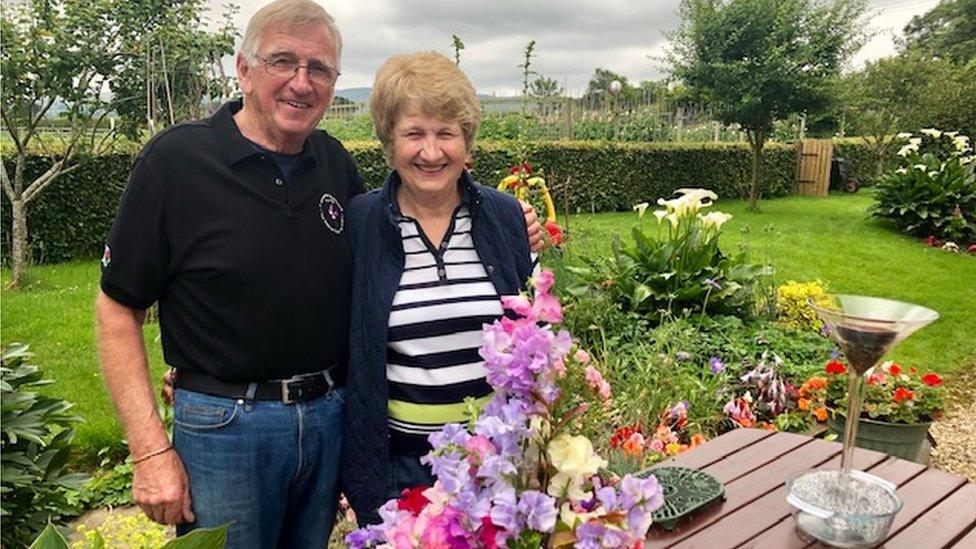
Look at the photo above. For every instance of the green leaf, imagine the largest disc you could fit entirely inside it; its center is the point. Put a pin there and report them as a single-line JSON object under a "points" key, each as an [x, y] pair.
{"points": [[202, 538], [50, 538]]}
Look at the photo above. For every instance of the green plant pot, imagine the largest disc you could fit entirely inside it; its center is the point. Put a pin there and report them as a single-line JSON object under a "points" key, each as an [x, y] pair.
{"points": [[898, 439]]}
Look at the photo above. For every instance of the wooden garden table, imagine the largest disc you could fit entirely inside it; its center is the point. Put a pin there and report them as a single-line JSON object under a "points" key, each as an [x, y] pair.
{"points": [[939, 508]]}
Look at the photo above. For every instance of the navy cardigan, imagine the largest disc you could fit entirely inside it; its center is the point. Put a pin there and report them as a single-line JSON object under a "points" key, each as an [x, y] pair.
{"points": [[499, 234]]}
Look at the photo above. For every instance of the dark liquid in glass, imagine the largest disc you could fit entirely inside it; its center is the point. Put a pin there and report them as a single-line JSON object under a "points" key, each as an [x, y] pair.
{"points": [[864, 347]]}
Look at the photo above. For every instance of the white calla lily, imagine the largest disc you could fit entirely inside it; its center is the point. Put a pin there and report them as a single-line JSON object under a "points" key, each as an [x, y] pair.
{"points": [[932, 132], [714, 219], [641, 209]]}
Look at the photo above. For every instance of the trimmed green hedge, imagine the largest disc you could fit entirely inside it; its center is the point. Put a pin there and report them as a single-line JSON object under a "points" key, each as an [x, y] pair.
{"points": [[71, 218]]}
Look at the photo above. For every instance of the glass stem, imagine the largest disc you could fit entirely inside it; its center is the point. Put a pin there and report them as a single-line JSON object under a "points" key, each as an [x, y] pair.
{"points": [[855, 395]]}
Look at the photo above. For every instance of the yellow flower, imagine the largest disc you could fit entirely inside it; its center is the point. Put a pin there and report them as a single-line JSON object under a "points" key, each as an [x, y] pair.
{"points": [[574, 460]]}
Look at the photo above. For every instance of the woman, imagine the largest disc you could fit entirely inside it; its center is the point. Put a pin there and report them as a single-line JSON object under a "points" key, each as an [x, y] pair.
{"points": [[432, 253]]}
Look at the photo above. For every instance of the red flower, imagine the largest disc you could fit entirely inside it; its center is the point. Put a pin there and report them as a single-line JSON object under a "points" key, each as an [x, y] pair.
{"points": [[555, 233], [902, 393], [834, 367], [524, 168], [971, 249], [413, 500], [623, 434], [488, 531], [932, 380], [932, 241], [894, 369]]}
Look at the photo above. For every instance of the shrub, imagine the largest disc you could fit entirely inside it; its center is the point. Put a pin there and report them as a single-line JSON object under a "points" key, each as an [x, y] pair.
{"points": [[792, 309], [933, 192], [680, 270], [72, 217], [34, 451]]}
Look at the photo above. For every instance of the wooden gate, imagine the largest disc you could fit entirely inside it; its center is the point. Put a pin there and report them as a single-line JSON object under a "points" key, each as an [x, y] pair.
{"points": [[813, 158]]}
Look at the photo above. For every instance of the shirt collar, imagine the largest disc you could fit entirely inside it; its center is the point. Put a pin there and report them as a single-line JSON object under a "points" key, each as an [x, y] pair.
{"points": [[236, 147]]}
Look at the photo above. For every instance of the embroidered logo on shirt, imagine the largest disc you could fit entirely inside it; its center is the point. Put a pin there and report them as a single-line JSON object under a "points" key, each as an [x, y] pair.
{"points": [[331, 213], [106, 256]]}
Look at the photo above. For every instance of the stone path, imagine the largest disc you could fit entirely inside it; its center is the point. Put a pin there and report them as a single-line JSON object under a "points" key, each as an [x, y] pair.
{"points": [[955, 434]]}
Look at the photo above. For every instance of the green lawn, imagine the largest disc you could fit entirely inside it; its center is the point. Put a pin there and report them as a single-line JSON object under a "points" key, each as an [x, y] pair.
{"points": [[836, 241], [806, 238]]}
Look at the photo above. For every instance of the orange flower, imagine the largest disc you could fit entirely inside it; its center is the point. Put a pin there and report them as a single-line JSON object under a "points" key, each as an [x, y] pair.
{"points": [[820, 414], [834, 367], [634, 446], [932, 380], [697, 439], [902, 393], [803, 404], [817, 383]]}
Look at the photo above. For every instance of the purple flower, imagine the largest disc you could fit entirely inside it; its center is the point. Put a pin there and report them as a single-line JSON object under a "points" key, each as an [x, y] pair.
{"points": [[366, 537], [452, 433], [825, 330], [504, 511], [590, 535], [453, 472], [711, 282], [716, 365], [539, 510], [834, 353]]}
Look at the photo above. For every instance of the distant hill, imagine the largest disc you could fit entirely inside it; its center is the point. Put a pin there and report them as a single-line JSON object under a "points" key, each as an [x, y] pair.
{"points": [[361, 95], [356, 95]]}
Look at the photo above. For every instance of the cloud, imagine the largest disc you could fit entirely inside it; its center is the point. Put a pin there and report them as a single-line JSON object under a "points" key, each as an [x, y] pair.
{"points": [[573, 37]]}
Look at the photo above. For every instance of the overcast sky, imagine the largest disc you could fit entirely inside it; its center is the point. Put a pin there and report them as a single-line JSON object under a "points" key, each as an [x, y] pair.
{"points": [[573, 37]]}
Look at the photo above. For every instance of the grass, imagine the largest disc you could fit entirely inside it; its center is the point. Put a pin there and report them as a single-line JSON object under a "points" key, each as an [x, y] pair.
{"points": [[806, 238], [836, 241], [53, 313]]}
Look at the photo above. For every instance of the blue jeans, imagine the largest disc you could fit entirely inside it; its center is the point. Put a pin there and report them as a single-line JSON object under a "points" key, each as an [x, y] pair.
{"points": [[406, 471], [267, 468]]}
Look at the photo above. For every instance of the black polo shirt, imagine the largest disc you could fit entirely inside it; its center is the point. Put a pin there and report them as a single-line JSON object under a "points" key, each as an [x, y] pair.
{"points": [[251, 273]]}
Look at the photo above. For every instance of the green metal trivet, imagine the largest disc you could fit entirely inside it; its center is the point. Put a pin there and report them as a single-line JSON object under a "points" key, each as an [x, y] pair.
{"points": [[685, 491]]}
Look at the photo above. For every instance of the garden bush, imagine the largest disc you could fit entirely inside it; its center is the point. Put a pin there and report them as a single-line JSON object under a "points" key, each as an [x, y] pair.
{"points": [[34, 451], [933, 192], [792, 309], [71, 218], [678, 270]]}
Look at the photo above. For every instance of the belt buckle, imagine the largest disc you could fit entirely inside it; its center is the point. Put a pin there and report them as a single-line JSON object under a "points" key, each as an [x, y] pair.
{"points": [[285, 386]]}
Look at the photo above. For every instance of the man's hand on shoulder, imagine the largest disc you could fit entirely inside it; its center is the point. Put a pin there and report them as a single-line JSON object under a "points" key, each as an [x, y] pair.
{"points": [[161, 488]]}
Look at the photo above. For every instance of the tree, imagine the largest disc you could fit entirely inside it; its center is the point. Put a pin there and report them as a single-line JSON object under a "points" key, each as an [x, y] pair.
{"points": [[947, 31], [754, 61], [458, 46], [597, 90], [75, 56], [546, 89]]}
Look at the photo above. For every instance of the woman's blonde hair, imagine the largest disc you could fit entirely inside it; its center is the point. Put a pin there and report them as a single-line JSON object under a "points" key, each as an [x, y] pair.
{"points": [[426, 80]]}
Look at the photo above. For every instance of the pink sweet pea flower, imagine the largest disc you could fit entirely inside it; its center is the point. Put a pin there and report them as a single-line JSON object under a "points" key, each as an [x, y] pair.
{"points": [[581, 356], [519, 304], [480, 447], [547, 309], [543, 281]]}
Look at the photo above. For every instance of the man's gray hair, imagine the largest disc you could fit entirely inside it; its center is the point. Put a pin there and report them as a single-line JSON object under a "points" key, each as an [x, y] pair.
{"points": [[289, 14]]}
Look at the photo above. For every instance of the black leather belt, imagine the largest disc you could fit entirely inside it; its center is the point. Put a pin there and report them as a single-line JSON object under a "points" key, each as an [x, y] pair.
{"points": [[294, 389]]}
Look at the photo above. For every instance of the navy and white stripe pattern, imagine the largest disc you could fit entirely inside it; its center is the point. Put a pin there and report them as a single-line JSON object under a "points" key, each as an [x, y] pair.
{"points": [[435, 323]]}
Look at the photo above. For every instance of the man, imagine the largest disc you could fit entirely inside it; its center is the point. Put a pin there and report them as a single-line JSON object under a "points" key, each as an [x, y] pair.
{"points": [[234, 225]]}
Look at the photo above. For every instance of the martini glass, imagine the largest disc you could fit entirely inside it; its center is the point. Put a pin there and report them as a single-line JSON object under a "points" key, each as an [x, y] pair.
{"points": [[849, 508], [866, 328]]}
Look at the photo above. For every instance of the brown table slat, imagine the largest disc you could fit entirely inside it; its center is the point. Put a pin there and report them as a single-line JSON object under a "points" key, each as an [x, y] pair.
{"points": [[968, 541], [746, 488], [756, 456], [718, 448], [942, 525], [744, 523]]}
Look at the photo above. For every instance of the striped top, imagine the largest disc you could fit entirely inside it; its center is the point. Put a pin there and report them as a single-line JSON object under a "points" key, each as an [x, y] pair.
{"points": [[433, 364]]}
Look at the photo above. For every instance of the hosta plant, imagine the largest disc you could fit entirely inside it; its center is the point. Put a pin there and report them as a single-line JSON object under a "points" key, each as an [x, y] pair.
{"points": [[933, 191], [35, 433], [676, 267]]}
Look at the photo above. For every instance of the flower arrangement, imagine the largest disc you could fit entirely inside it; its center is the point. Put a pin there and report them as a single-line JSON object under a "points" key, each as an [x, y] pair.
{"points": [[519, 478], [894, 394], [520, 181], [767, 401]]}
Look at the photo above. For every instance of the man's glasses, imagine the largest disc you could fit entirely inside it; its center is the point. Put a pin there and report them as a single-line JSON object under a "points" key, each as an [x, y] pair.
{"points": [[286, 66]]}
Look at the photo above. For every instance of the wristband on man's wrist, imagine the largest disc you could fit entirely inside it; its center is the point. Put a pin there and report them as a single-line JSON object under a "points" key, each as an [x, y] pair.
{"points": [[152, 454]]}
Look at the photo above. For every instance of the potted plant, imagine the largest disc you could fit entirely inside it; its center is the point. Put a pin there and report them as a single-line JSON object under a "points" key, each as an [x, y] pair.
{"points": [[899, 406]]}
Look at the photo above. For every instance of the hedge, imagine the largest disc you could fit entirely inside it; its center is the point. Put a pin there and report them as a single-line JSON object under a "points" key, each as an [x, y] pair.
{"points": [[71, 218]]}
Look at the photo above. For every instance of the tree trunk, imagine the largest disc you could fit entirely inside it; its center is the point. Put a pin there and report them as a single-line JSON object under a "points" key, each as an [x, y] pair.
{"points": [[756, 140], [18, 245]]}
